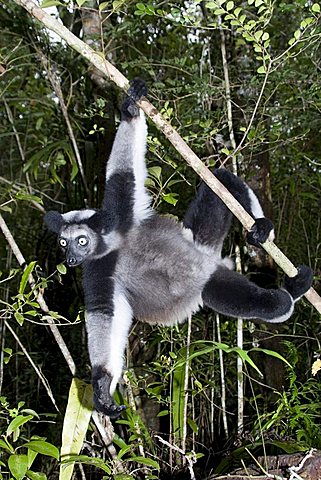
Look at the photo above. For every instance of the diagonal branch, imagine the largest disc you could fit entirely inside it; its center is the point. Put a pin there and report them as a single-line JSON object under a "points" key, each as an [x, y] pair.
{"points": [[97, 59]]}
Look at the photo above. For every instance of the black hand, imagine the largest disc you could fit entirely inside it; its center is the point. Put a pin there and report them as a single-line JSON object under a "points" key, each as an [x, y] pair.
{"points": [[259, 232]]}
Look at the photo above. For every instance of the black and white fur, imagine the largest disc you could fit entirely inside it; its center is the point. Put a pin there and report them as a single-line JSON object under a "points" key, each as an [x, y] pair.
{"points": [[137, 263]]}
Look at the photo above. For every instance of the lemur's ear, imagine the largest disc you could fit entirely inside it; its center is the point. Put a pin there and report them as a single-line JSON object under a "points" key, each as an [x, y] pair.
{"points": [[54, 221], [101, 220]]}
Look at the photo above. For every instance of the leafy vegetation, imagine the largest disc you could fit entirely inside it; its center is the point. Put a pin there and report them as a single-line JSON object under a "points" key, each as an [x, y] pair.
{"points": [[58, 120]]}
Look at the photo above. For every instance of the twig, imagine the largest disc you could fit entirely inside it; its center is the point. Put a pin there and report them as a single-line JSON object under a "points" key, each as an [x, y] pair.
{"points": [[190, 460], [223, 383], [186, 377], [191, 158], [55, 82], [239, 326], [43, 379]]}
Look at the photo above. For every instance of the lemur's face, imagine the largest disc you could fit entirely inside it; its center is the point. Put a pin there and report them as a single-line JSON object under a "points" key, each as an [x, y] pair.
{"points": [[77, 242]]}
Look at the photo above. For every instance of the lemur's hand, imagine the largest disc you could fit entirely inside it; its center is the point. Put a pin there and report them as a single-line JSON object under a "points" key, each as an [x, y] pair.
{"points": [[261, 230], [136, 91]]}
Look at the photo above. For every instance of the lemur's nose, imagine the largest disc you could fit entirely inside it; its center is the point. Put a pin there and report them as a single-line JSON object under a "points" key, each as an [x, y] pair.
{"points": [[71, 261]]}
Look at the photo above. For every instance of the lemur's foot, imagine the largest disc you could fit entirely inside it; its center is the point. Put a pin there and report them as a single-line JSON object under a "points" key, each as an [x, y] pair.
{"points": [[261, 230], [300, 284], [136, 91], [103, 401]]}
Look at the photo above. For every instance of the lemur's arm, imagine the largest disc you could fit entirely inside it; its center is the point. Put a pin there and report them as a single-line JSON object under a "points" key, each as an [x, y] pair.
{"points": [[125, 193]]}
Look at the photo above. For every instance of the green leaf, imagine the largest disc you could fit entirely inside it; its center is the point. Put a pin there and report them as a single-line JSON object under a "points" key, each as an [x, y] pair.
{"points": [[80, 2], [19, 317], [62, 268], [219, 11], [117, 4], [297, 34], [28, 197], [25, 276], [261, 69], [163, 413], [145, 461], [50, 3], [4, 444], [17, 422], [155, 172], [170, 198], [272, 354], [18, 466], [36, 475], [45, 448], [315, 8], [229, 5], [76, 421], [97, 462]]}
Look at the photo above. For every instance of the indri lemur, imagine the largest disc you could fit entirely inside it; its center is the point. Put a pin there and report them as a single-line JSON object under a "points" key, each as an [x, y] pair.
{"points": [[139, 264]]}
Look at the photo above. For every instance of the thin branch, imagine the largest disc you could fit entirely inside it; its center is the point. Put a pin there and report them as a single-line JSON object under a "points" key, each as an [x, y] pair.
{"points": [[43, 379], [190, 460], [191, 158], [55, 82], [238, 261]]}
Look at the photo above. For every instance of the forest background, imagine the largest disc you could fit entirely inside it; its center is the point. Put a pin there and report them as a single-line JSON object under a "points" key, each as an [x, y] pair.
{"points": [[229, 76]]}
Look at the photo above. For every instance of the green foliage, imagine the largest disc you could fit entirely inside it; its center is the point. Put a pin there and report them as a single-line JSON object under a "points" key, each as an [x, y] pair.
{"points": [[298, 410], [13, 443]]}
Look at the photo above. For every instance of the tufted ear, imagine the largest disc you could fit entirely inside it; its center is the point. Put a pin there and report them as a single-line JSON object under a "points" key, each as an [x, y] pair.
{"points": [[100, 220], [54, 221]]}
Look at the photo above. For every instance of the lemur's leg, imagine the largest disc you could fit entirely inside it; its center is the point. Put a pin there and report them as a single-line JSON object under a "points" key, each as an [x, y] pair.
{"points": [[108, 320], [232, 294], [210, 219], [125, 193]]}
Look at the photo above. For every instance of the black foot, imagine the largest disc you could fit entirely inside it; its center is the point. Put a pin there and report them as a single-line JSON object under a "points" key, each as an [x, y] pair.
{"points": [[137, 90], [300, 284], [103, 401], [259, 232]]}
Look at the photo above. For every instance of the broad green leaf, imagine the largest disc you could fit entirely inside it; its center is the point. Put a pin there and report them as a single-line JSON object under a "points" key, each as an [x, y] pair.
{"points": [[145, 461], [19, 317], [17, 422], [50, 3], [62, 268], [18, 466], [25, 276], [45, 448], [6, 446], [36, 475], [229, 5], [315, 8], [155, 172], [97, 462], [261, 69], [76, 421], [80, 2], [170, 198]]}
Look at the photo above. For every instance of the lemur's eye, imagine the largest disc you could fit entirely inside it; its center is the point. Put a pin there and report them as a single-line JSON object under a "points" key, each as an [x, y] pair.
{"points": [[82, 241], [63, 242]]}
